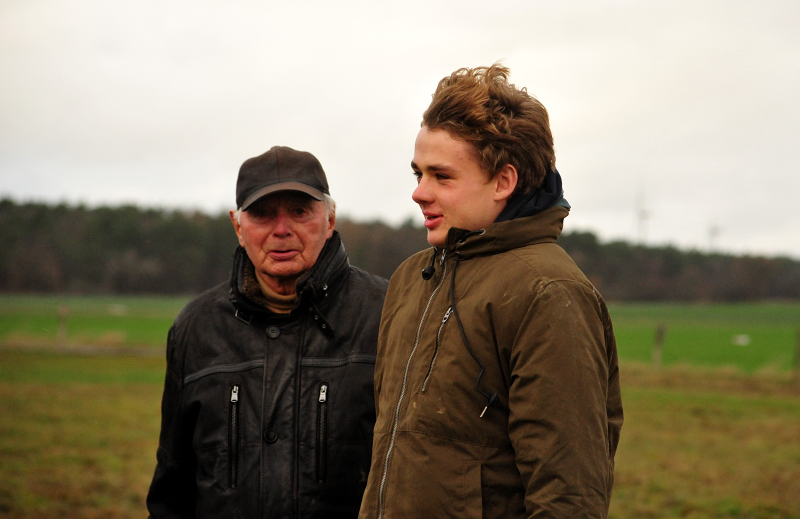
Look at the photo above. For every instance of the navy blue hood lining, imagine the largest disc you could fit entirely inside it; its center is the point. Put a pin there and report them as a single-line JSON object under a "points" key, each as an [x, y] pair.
{"points": [[537, 200]]}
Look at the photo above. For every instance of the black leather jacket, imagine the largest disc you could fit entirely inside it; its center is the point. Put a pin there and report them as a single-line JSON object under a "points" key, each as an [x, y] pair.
{"points": [[267, 415]]}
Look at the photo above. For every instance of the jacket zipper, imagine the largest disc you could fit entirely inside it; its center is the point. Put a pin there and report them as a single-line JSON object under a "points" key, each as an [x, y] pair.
{"points": [[436, 350], [296, 432], [322, 434], [396, 419], [233, 438]]}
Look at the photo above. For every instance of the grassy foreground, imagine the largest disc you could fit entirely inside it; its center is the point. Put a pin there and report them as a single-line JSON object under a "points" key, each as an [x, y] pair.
{"points": [[707, 444], [78, 437], [77, 434]]}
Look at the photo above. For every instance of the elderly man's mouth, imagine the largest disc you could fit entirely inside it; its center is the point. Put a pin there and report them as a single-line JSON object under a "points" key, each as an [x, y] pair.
{"points": [[283, 254]]}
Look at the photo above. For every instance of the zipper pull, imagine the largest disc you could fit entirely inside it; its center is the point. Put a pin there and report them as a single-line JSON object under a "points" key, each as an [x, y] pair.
{"points": [[444, 253], [447, 314], [323, 393], [234, 394]]}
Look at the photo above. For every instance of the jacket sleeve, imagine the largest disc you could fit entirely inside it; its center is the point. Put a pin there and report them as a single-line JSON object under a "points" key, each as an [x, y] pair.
{"points": [[173, 489], [558, 422]]}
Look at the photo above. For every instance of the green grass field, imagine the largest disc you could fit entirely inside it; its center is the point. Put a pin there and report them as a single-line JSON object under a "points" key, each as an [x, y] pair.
{"points": [[714, 433], [95, 321], [747, 336]]}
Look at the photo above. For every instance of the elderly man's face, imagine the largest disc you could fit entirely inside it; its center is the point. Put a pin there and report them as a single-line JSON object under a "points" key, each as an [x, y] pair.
{"points": [[283, 234]]}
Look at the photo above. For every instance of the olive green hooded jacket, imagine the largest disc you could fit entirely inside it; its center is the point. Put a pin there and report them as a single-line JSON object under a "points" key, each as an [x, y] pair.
{"points": [[496, 384]]}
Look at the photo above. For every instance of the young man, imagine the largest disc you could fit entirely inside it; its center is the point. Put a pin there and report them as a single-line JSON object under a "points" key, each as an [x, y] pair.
{"points": [[497, 388], [268, 401]]}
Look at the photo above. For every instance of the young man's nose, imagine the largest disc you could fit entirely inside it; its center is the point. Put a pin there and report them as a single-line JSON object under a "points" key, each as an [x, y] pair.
{"points": [[421, 194]]}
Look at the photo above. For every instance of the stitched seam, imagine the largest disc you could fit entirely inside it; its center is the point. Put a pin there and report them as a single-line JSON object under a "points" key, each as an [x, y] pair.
{"points": [[223, 368], [327, 362]]}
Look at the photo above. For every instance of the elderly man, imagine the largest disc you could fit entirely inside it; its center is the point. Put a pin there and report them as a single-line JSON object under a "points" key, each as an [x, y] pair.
{"points": [[497, 382], [268, 403]]}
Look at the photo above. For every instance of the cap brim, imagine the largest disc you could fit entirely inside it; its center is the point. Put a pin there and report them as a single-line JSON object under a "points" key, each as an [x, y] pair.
{"points": [[283, 186]]}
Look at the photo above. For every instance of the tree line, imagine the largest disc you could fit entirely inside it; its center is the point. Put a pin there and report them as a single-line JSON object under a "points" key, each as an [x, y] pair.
{"points": [[48, 248]]}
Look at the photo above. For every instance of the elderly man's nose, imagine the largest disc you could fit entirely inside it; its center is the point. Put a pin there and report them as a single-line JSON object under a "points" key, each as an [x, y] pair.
{"points": [[282, 224]]}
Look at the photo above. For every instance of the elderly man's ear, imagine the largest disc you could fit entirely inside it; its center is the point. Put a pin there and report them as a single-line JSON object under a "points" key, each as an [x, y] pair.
{"points": [[236, 226], [331, 224]]}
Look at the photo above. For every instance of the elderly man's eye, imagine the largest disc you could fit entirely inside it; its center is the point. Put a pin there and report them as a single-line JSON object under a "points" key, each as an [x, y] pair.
{"points": [[261, 213]]}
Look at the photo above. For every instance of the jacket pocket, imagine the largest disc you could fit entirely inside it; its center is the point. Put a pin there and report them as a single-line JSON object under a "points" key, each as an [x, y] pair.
{"points": [[436, 349], [322, 433], [233, 437]]}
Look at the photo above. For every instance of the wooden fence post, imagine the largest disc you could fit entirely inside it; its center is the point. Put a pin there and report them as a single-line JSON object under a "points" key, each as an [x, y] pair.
{"points": [[63, 312], [796, 367], [658, 345]]}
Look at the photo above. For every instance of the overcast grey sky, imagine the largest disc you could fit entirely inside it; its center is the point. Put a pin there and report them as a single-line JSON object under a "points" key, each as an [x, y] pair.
{"points": [[686, 109]]}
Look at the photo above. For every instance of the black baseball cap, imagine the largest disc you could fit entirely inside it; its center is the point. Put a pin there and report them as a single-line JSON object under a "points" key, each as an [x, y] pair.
{"points": [[280, 169]]}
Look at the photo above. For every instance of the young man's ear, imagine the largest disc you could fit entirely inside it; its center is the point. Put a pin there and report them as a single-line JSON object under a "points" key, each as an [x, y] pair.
{"points": [[505, 182]]}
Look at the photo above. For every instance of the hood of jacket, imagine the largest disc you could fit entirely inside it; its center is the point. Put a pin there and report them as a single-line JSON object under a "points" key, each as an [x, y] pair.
{"points": [[550, 193]]}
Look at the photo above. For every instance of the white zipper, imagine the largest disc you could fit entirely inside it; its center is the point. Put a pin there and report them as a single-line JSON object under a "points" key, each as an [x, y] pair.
{"points": [[396, 420]]}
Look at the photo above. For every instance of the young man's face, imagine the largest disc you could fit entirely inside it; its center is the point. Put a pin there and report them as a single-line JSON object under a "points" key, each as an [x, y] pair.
{"points": [[453, 190]]}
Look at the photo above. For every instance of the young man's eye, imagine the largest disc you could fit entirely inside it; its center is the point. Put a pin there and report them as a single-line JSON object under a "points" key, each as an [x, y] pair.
{"points": [[440, 176], [417, 175]]}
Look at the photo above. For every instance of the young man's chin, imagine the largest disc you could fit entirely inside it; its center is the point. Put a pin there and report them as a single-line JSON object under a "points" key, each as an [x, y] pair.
{"points": [[437, 237]]}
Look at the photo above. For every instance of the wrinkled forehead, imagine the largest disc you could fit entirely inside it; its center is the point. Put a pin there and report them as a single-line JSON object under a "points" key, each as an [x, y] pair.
{"points": [[280, 199]]}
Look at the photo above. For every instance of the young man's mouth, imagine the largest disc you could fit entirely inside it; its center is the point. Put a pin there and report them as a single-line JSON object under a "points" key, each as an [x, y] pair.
{"points": [[432, 220]]}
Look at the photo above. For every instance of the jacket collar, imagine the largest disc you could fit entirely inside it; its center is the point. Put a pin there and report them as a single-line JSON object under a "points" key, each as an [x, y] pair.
{"points": [[312, 287], [331, 265], [543, 227]]}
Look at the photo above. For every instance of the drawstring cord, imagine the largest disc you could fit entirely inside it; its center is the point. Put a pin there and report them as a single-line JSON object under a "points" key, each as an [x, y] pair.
{"points": [[490, 399]]}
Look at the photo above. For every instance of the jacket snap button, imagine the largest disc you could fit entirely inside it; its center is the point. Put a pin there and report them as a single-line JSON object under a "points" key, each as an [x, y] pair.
{"points": [[273, 332], [270, 436]]}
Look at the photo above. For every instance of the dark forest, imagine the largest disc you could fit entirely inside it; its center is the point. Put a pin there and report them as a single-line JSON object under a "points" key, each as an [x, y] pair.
{"points": [[130, 250]]}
